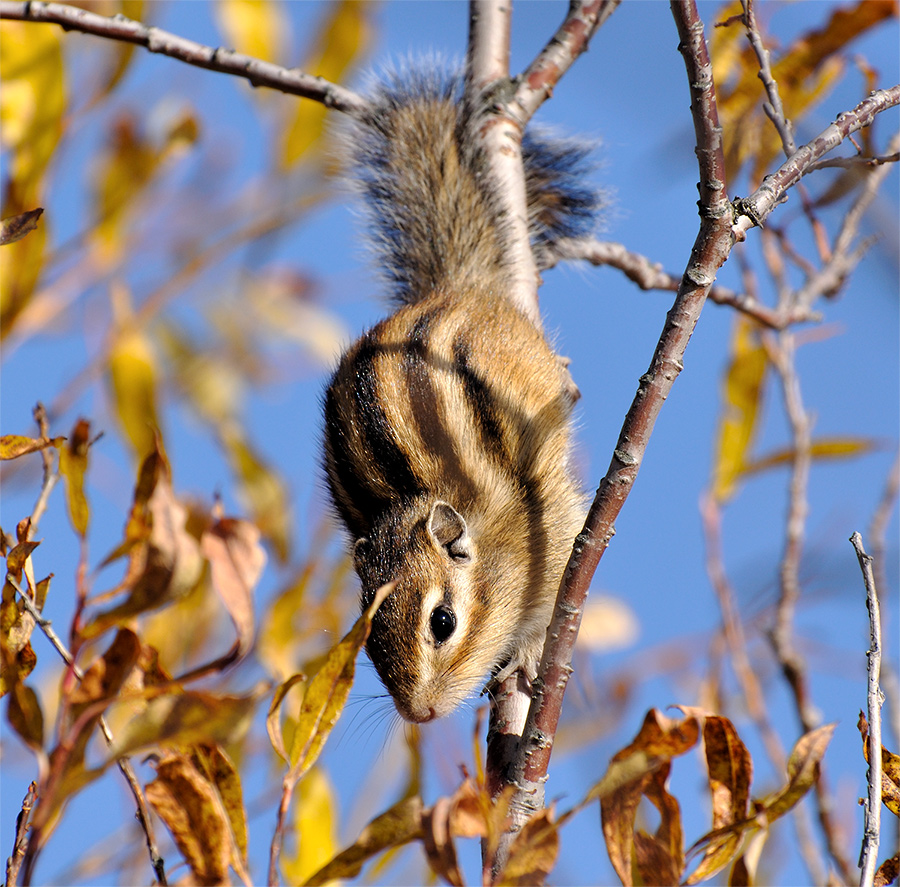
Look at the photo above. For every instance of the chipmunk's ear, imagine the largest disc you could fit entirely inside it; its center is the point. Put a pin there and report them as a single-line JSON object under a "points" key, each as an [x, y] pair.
{"points": [[448, 528], [361, 549]]}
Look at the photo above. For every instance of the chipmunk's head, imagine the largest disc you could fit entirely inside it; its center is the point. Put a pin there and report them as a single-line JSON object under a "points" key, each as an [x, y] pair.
{"points": [[425, 643]]}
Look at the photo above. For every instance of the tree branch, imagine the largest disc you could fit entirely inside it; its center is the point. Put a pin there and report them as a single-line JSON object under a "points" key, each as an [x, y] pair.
{"points": [[537, 81], [649, 275], [710, 250], [225, 61], [755, 209], [872, 833]]}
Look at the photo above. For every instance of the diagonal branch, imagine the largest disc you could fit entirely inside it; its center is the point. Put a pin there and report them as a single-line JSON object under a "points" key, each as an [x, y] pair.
{"points": [[536, 83], [225, 61], [710, 250]]}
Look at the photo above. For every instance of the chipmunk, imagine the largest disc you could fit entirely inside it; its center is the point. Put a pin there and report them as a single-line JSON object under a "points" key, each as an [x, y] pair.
{"points": [[448, 424]]}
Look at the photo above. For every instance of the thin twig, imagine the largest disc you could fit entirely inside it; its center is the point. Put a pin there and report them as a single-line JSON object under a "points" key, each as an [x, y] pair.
{"points": [[876, 535], [20, 845], [649, 275], [537, 81], [872, 832], [143, 813], [773, 108], [225, 61], [755, 209]]}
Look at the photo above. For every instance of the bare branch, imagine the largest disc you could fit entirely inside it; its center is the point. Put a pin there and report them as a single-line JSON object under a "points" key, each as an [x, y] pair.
{"points": [[773, 108], [875, 698], [225, 61], [537, 82], [649, 275], [14, 862], [710, 250], [496, 131], [755, 209]]}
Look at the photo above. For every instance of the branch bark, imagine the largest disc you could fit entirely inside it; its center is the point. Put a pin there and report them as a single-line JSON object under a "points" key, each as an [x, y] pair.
{"points": [[225, 61], [710, 250]]}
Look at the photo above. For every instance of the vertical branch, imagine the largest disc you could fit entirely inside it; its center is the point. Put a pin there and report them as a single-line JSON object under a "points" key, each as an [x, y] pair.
{"points": [[496, 132], [710, 249], [872, 832]]}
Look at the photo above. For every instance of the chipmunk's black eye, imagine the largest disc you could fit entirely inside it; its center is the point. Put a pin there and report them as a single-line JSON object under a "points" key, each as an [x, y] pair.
{"points": [[443, 623]]}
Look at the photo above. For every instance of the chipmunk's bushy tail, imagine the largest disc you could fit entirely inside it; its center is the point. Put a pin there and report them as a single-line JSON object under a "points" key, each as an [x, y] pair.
{"points": [[435, 224]]}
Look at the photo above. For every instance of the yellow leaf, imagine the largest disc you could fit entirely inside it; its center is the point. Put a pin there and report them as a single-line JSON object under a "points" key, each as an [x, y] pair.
{"points": [[33, 100], [124, 171], [219, 770], [180, 720], [132, 377], [802, 767], [399, 825], [261, 490], [73, 461], [254, 27], [32, 105], [742, 393], [327, 692], [823, 448], [342, 38], [315, 828], [14, 445]]}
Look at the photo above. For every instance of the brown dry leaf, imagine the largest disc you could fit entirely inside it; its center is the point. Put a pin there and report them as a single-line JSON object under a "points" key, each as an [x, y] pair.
{"points": [[98, 688], [630, 775], [192, 811], [741, 397], [73, 462], [339, 43], [887, 872], [327, 692], [314, 828], [236, 561], [660, 857], [17, 658], [165, 560], [219, 770], [890, 769], [14, 445], [533, 852], [437, 837], [16, 227], [730, 770], [188, 718], [25, 716], [399, 825], [802, 767]]}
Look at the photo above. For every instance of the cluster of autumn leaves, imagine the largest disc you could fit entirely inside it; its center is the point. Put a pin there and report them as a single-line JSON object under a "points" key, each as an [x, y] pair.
{"points": [[197, 789]]}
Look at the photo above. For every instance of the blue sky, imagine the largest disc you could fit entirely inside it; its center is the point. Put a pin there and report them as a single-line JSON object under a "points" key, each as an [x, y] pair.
{"points": [[630, 93]]}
